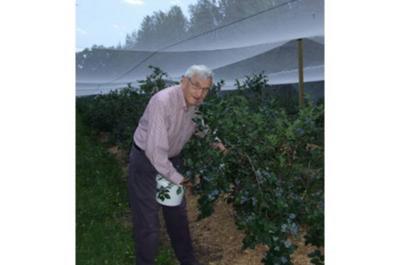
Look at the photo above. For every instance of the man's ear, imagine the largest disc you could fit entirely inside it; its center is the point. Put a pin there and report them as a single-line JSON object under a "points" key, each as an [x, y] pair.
{"points": [[183, 80]]}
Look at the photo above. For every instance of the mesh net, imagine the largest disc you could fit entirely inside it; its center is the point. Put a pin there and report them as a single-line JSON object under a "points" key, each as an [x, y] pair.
{"points": [[250, 41]]}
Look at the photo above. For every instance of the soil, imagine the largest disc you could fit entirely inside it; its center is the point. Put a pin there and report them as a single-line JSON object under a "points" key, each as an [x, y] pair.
{"points": [[216, 240]]}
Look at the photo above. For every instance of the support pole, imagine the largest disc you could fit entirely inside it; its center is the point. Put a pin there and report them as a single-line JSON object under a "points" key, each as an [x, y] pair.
{"points": [[301, 71]]}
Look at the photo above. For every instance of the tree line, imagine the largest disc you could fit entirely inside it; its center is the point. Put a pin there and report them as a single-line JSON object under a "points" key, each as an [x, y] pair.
{"points": [[162, 28]]}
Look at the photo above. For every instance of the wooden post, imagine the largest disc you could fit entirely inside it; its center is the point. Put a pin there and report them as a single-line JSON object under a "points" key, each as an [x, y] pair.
{"points": [[301, 71]]}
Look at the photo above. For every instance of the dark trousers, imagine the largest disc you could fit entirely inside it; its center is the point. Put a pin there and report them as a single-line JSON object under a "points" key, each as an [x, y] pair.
{"points": [[145, 209]]}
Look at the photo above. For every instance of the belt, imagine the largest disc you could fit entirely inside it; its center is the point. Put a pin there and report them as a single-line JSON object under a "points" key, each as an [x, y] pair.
{"points": [[141, 150]]}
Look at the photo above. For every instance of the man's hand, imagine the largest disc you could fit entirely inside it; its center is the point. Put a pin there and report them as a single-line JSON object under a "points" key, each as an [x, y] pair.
{"points": [[221, 147], [186, 183]]}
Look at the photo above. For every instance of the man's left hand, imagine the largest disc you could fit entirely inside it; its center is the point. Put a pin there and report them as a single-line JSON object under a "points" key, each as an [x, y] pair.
{"points": [[220, 146]]}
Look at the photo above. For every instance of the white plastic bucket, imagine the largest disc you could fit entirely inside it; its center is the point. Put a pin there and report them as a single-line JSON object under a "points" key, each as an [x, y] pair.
{"points": [[168, 193]]}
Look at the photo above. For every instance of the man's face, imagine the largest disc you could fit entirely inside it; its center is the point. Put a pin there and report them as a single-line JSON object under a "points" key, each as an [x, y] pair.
{"points": [[195, 89]]}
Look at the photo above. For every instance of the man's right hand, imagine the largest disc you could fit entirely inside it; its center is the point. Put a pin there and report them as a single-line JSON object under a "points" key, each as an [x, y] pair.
{"points": [[186, 183]]}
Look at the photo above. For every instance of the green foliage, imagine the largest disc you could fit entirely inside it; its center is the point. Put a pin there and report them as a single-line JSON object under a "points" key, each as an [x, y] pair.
{"points": [[273, 173], [154, 82], [118, 112]]}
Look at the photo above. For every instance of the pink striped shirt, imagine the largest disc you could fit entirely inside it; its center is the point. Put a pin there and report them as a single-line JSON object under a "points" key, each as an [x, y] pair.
{"points": [[163, 130]]}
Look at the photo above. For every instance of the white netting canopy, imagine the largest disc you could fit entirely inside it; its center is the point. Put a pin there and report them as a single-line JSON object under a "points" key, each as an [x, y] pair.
{"points": [[262, 41]]}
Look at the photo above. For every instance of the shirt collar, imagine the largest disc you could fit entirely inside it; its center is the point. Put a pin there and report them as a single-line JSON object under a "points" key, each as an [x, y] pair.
{"points": [[181, 99]]}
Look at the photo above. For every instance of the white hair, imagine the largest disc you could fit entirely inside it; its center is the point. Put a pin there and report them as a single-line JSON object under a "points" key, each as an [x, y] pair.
{"points": [[201, 71]]}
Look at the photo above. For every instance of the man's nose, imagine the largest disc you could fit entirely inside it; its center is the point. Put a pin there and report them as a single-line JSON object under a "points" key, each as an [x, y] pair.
{"points": [[199, 93]]}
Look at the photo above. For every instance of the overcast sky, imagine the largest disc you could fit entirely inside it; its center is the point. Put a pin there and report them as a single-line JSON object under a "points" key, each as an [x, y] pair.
{"points": [[106, 22]]}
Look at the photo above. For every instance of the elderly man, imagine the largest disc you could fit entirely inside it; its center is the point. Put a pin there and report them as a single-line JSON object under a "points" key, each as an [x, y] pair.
{"points": [[163, 130]]}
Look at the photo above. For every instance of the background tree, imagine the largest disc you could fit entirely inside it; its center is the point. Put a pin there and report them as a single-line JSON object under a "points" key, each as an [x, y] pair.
{"points": [[161, 29], [145, 35], [204, 16], [236, 9], [177, 24], [130, 40]]}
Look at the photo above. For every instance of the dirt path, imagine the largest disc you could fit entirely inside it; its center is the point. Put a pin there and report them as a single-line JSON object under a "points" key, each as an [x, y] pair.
{"points": [[217, 241]]}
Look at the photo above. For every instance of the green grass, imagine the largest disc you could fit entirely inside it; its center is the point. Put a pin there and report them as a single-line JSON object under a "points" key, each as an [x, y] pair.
{"points": [[103, 231]]}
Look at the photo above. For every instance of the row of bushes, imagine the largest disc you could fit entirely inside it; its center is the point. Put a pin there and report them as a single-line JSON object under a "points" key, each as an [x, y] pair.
{"points": [[273, 174]]}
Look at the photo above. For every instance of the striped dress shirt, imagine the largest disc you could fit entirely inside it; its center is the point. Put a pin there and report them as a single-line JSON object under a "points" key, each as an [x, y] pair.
{"points": [[164, 128]]}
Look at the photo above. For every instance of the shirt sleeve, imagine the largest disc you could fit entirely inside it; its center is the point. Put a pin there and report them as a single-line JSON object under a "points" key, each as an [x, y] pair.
{"points": [[157, 144]]}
